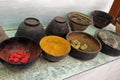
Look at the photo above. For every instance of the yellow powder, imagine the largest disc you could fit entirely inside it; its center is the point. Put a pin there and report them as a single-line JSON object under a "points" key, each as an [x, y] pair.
{"points": [[55, 45]]}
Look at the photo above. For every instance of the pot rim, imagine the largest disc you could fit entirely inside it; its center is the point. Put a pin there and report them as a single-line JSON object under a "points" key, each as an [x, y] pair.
{"points": [[32, 24], [94, 13]]}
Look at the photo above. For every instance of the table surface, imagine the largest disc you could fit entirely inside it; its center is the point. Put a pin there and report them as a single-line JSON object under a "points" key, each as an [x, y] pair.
{"points": [[44, 70]]}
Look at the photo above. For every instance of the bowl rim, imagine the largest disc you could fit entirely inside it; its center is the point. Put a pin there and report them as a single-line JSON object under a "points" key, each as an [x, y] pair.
{"points": [[94, 52], [32, 18], [81, 14], [103, 12]]}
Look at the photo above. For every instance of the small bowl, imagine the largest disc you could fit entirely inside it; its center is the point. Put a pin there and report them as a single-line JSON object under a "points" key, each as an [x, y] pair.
{"points": [[55, 48], [19, 44], [93, 45], [107, 48], [78, 21], [101, 19]]}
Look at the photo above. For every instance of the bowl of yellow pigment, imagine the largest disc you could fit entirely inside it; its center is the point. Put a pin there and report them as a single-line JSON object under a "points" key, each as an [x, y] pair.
{"points": [[54, 48]]}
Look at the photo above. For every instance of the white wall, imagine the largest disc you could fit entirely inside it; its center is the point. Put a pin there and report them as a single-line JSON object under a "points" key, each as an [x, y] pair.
{"points": [[13, 12]]}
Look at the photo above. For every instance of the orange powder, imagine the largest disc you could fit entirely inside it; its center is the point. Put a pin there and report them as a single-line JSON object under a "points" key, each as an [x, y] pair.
{"points": [[55, 45]]}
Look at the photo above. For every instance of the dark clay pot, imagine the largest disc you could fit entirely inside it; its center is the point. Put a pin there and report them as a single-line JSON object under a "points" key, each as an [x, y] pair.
{"points": [[58, 26], [101, 19], [107, 49], [93, 45], [31, 28], [16, 44]]}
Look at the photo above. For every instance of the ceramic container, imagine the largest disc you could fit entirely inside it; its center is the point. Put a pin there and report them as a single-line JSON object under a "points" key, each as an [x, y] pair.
{"points": [[92, 45], [101, 19], [58, 26], [19, 44], [78, 21], [54, 48], [31, 28], [110, 42]]}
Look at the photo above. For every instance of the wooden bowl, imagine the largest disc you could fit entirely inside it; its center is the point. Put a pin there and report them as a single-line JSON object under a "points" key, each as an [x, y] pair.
{"points": [[55, 48], [78, 21], [107, 48], [19, 44], [92, 49]]}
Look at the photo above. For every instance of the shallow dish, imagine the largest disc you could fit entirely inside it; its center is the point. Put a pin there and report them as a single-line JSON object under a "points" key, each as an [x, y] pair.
{"points": [[19, 44], [54, 48], [110, 42], [92, 45]]}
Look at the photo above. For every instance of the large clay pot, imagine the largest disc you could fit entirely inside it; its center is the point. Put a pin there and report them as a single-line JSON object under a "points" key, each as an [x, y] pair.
{"points": [[58, 26], [31, 28], [78, 21]]}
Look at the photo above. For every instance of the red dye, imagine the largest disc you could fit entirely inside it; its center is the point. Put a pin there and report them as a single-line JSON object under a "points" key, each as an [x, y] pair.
{"points": [[17, 57]]}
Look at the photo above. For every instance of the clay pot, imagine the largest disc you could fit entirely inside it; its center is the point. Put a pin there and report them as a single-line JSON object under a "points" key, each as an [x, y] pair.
{"points": [[58, 26], [31, 28], [110, 42], [78, 21], [92, 49], [22, 44], [101, 19], [54, 48]]}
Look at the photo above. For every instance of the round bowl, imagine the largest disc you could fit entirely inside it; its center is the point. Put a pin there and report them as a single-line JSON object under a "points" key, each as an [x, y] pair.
{"points": [[55, 48], [84, 46], [101, 19], [15, 45], [58, 26], [31, 28], [78, 21], [110, 42]]}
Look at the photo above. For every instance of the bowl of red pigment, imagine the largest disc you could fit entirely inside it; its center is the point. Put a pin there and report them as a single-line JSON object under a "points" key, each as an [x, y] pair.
{"points": [[19, 50]]}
